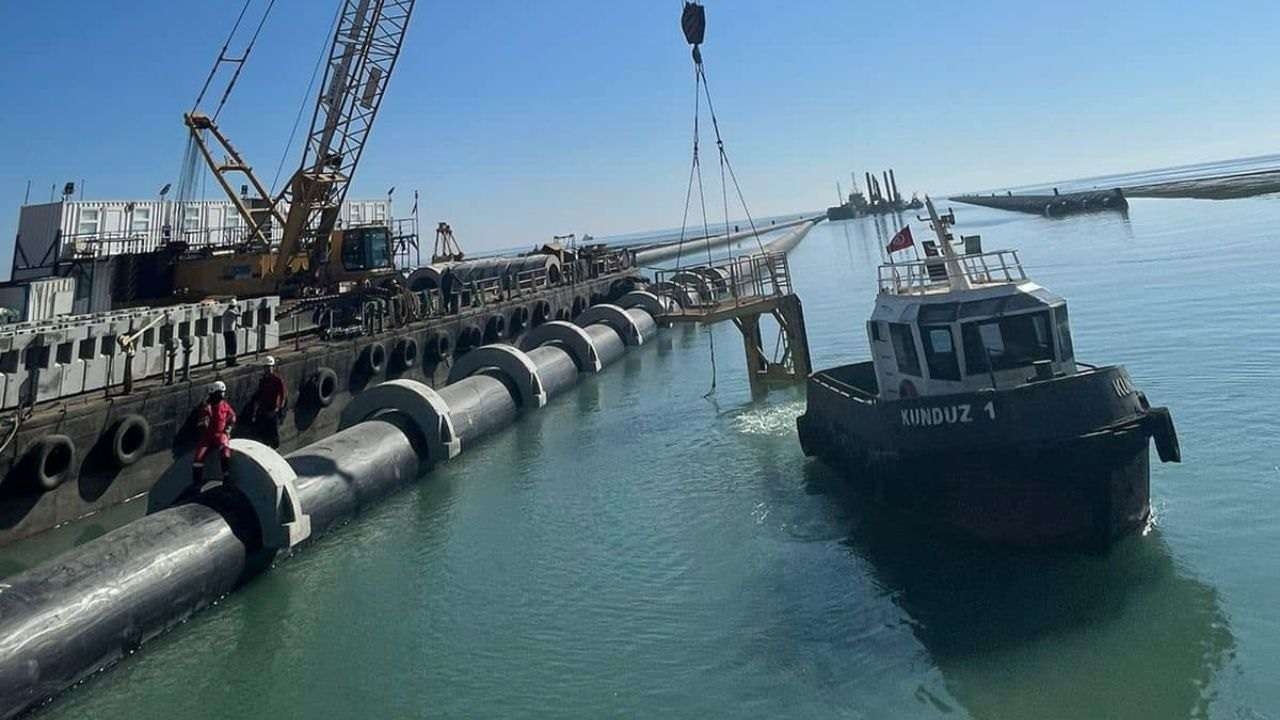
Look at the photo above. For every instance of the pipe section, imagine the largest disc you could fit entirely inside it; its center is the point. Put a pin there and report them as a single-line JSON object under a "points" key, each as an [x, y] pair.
{"points": [[644, 323], [608, 343], [346, 471], [556, 368], [479, 405], [62, 621]]}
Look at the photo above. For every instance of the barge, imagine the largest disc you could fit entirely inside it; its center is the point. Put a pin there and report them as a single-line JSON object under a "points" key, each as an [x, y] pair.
{"points": [[974, 415], [71, 450]]}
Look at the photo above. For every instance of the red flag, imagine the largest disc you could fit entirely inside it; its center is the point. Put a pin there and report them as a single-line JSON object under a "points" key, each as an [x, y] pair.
{"points": [[901, 241]]}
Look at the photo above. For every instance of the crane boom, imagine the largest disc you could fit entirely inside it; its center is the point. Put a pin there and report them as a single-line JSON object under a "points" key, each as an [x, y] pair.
{"points": [[362, 57]]}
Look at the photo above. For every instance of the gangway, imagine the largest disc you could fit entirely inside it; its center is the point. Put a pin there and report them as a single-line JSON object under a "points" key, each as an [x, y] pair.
{"points": [[742, 289]]}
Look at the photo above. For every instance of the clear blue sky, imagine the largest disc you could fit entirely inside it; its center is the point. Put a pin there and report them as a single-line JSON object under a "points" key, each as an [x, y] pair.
{"points": [[519, 120]]}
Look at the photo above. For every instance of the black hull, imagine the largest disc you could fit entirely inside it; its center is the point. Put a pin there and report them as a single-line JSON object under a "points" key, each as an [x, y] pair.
{"points": [[1045, 467]]}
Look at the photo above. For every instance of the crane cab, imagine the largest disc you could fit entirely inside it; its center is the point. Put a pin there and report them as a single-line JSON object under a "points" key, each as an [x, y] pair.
{"points": [[353, 255], [357, 253]]}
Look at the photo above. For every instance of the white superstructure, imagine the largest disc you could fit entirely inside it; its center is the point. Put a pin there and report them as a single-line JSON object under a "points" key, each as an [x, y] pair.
{"points": [[955, 322], [68, 230]]}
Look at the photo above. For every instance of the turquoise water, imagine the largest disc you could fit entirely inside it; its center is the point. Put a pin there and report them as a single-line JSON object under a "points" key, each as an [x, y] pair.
{"points": [[634, 550]]}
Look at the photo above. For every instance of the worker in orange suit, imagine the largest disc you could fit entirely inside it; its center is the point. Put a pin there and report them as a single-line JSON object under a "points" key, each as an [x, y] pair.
{"points": [[215, 419]]}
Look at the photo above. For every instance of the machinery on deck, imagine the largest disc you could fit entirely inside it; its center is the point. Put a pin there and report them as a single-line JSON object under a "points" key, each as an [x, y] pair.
{"points": [[314, 255]]}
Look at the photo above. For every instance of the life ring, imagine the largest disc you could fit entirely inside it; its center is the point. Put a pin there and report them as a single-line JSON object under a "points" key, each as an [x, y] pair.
{"points": [[907, 389], [407, 353], [322, 388], [128, 440], [50, 459], [374, 358]]}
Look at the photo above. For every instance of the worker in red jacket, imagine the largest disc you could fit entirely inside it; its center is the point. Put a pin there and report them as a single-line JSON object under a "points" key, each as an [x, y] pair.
{"points": [[214, 421], [268, 404]]}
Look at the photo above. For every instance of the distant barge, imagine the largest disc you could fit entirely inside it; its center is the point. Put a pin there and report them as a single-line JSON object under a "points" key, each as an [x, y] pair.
{"points": [[1055, 205], [974, 415], [881, 199]]}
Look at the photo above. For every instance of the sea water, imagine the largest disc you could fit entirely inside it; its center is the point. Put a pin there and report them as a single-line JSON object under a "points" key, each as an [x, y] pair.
{"points": [[637, 550]]}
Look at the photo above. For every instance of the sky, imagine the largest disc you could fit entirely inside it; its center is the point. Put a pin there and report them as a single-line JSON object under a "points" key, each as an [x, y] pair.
{"points": [[520, 120]]}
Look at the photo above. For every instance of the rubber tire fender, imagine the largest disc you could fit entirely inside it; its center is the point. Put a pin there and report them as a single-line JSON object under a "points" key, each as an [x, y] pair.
{"points": [[315, 390], [374, 358], [38, 454], [1165, 435], [407, 353], [120, 456]]}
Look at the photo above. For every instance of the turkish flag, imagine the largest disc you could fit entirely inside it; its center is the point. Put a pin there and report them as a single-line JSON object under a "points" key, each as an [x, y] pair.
{"points": [[901, 241]]}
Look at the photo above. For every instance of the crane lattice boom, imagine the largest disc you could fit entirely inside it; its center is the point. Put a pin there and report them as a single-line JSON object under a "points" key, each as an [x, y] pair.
{"points": [[365, 48]]}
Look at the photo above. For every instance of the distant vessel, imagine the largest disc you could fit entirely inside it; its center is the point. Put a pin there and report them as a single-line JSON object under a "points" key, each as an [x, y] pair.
{"points": [[879, 200], [974, 414]]}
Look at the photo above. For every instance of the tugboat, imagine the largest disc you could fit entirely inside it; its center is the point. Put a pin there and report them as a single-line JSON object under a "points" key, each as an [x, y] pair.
{"points": [[974, 415]]}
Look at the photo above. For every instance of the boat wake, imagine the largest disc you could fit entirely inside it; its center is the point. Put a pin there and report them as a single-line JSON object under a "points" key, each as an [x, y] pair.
{"points": [[772, 420]]}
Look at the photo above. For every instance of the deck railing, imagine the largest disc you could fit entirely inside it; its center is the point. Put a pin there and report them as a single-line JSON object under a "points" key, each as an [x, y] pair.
{"points": [[929, 274]]}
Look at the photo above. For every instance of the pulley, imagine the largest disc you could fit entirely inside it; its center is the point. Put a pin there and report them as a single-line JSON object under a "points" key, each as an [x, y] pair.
{"points": [[694, 23]]}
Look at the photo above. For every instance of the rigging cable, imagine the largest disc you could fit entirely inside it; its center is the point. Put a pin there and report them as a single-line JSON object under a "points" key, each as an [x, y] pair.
{"points": [[240, 63], [302, 106], [695, 173], [225, 46], [724, 156]]}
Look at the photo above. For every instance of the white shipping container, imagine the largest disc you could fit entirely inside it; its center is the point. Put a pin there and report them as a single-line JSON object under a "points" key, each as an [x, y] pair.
{"points": [[80, 229]]}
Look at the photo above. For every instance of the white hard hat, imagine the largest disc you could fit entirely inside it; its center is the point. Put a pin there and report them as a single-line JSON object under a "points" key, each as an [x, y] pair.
{"points": [[217, 386], [269, 361]]}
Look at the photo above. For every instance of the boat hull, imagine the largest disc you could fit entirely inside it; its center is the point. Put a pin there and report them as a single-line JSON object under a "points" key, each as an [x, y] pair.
{"points": [[1062, 464]]}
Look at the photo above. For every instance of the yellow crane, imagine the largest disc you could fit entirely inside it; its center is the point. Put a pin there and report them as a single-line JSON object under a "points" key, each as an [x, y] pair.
{"points": [[314, 254]]}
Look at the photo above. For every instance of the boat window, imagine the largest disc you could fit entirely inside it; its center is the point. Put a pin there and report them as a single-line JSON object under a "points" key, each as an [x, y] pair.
{"points": [[940, 353], [1006, 343], [942, 313], [1000, 305], [904, 349], [875, 331], [1066, 351]]}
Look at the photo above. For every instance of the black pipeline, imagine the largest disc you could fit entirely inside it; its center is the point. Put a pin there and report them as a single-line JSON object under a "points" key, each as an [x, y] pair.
{"points": [[83, 611]]}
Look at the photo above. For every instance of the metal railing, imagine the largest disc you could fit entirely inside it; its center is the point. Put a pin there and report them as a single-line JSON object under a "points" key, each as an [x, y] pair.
{"points": [[739, 281], [918, 277], [95, 245]]}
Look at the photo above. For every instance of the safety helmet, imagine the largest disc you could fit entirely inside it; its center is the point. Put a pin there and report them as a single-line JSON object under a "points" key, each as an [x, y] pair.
{"points": [[269, 361], [217, 386]]}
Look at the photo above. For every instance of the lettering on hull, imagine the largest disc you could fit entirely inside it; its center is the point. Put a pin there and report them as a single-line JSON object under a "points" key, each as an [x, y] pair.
{"points": [[947, 415]]}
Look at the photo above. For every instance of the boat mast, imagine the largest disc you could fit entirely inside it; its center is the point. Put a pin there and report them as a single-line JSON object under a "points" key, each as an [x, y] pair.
{"points": [[955, 274]]}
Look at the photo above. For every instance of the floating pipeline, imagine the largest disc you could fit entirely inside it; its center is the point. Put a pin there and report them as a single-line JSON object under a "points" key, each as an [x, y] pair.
{"points": [[701, 284], [85, 610], [1055, 205], [691, 247]]}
